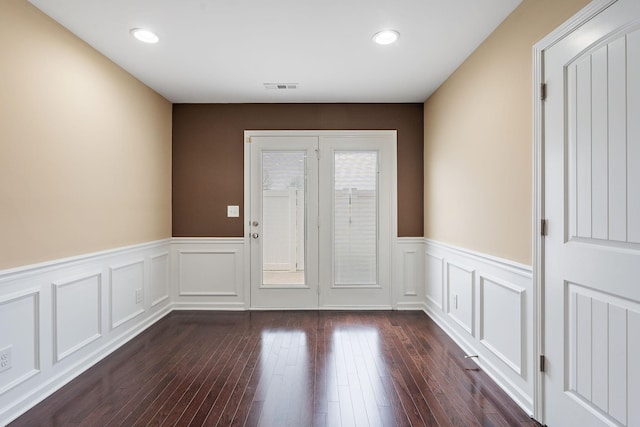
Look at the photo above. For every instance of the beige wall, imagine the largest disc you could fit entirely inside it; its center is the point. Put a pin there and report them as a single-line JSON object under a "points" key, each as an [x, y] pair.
{"points": [[478, 139], [85, 149]]}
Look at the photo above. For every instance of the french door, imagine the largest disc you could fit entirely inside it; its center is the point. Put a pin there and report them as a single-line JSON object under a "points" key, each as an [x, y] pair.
{"points": [[320, 219]]}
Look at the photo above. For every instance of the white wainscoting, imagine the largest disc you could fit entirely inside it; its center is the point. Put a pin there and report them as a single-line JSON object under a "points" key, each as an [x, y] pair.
{"points": [[60, 318], [486, 305], [76, 325], [209, 273], [159, 283], [409, 270], [127, 292], [66, 315], [21, 309]]}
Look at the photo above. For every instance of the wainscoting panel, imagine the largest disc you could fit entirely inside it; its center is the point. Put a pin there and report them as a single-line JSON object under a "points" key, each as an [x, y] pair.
{"points": [[21, 336], [56, 317], [408, 266], [208, 273], [487, 311], [434, 279], [159, 286], [127, 292], [460, 295], [77, 313], [501, 320]]}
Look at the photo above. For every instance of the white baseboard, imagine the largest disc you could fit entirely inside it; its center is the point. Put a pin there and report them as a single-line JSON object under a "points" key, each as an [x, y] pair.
{"points": [[413, 306], [212, 306]]}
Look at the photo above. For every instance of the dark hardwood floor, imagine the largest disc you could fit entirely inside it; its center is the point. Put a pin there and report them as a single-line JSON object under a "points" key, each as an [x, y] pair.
{"points": [[283, 369]]}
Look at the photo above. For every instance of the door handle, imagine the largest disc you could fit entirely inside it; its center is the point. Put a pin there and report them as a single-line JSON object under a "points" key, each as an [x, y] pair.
{"points": [[255, 235]]}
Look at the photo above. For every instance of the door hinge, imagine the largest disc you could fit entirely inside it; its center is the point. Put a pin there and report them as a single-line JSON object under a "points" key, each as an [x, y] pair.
{"points": [[317, 153], [543, 91], [542, 363], [544, 227]]}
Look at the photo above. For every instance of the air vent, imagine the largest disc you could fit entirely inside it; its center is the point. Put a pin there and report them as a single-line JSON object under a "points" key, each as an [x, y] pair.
{"points": [[281, 86]]}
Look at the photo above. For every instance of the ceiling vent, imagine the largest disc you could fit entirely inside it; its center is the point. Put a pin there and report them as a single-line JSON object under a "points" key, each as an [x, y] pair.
{"points": [[281, 86]]}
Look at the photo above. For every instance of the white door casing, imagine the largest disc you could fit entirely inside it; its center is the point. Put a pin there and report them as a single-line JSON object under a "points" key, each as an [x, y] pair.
{"points": [[318, 263], [588, 264]]}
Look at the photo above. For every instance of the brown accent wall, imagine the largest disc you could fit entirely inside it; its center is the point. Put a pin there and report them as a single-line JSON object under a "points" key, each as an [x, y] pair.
{"points": [[208, 156]]}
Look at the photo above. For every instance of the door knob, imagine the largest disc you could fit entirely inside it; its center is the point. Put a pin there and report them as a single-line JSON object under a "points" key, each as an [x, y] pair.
{"points": [[255, 235], [255, 223]]}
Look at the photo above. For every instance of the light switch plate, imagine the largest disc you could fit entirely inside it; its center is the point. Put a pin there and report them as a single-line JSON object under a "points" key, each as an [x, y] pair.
{"points": [[233, 211]]}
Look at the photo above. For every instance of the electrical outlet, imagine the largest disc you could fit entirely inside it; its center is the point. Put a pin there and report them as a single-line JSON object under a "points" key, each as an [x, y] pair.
{"points": [[138, 296], [5, 358]]}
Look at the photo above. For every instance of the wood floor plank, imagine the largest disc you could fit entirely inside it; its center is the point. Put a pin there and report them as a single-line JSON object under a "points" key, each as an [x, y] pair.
{"points": [[304, 368], [219, 394], [446, 361], [85, 397], [171, 387], [209, 388], [235, 400], [449, 403]]}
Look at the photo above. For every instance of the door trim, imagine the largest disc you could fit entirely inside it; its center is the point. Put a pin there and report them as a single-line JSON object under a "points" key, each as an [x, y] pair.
{"points": [[571, 25], [320, 133]]}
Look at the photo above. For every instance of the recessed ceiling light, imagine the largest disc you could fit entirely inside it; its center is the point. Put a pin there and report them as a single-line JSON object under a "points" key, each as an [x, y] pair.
{"points": [[386, 36], [145, 36]]}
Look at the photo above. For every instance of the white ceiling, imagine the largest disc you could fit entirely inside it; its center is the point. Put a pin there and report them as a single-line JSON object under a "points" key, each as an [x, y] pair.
{"points": [[225, 50]]}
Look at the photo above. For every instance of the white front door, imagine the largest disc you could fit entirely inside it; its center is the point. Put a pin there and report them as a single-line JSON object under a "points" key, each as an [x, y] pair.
{"points": [[320, 223], [355, 221], [592, 203], [284, 222]]}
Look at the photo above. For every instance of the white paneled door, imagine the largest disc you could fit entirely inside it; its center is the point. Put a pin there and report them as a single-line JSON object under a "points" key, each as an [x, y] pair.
{"points": [[592, 203], [320, 220]]}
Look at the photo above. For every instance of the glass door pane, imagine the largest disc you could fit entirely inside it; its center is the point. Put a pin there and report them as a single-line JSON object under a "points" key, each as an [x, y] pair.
{"points": [[355, 217], [283, 217]]}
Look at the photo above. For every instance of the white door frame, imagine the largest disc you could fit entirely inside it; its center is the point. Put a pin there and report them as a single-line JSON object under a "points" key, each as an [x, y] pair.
{"points": [[320, 133], [584, 15]]}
